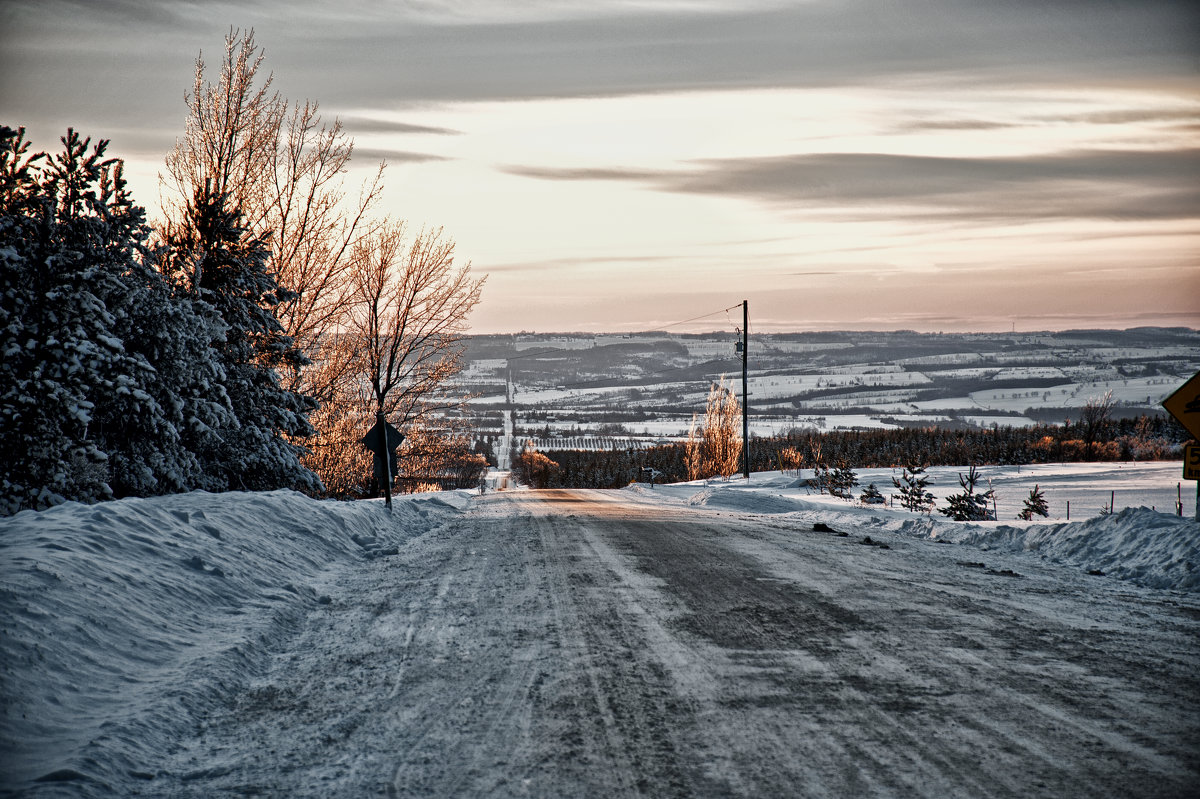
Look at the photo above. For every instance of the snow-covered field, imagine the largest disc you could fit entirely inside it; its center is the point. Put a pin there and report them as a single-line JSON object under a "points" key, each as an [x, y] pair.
{"points": [[1089, 488], [126, 625], [860, 380]]}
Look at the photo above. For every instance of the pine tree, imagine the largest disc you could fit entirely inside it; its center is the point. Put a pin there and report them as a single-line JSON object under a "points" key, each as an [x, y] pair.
{"points": [[215, 258], [1035, 505], [821, 478], [871, 496], [969, 506], [842, 480], [84, 405], [912, 485], [51, 348]]}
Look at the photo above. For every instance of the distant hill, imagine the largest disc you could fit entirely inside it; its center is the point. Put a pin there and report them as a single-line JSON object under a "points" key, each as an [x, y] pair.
{"points": [[651, 383]]}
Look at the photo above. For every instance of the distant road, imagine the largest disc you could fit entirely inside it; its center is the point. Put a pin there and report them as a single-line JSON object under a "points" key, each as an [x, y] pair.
{"points": [[570, 643]]}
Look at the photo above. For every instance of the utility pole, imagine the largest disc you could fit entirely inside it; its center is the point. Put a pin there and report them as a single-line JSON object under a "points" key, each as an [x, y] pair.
{"points": [[745, 389]]}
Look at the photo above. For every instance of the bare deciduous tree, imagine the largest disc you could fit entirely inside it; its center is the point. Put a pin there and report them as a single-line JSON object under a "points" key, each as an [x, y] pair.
{"points": [[408, 321], [381, 318], [1094, 420], [283, 168], [439, 459]]}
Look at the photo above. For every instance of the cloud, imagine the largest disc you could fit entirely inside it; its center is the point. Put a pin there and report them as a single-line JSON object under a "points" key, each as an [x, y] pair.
{"points": [[138, 13], [358, 124], [1097, 184], [371, 55], [1077, 184], [671, 48], [1127, 116], [921, 126], [567, 264], [582, 173], [377, 154]]}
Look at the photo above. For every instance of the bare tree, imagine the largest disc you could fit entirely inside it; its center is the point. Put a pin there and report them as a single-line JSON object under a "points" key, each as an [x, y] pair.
{"points": [[400, 344], [408, 323], [380, 318], [283, 168], [1094, 420], [717, 447], [439, 459]]}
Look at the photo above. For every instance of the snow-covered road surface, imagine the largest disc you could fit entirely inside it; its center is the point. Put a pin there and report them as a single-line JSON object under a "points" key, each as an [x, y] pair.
{"points": [[588, 644]]}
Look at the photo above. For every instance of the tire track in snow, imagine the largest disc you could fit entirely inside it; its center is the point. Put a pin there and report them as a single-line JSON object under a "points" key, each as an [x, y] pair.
{"points": [[570, 643], [626, 700]]}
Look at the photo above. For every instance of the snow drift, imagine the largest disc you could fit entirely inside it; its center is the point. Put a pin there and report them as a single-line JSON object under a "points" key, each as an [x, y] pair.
{"points": [[1137, 544], [122, 620]]}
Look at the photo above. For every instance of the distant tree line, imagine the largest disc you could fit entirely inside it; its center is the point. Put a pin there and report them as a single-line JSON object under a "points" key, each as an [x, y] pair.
{"points": [[1145, 438]]}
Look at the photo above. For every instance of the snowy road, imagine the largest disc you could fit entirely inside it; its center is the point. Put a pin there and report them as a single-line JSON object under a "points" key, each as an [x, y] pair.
{"points": [[585, 644]]}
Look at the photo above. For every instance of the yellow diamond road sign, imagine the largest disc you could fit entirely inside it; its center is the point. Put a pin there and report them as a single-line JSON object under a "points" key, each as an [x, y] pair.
{"points": [[1184, 405]]}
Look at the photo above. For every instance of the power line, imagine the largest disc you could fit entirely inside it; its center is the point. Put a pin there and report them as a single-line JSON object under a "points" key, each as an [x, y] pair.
{"points": [[553, 350], [698, 318], [585, 383]]}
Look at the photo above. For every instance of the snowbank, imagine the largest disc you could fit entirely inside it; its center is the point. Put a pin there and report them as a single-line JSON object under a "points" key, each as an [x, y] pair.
{"points": [[121, 620], [1138, 544]]}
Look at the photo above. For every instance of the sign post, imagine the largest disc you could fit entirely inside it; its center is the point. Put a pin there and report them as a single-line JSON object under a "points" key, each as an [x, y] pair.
{"points": [[383, 439], [1184, 405]]}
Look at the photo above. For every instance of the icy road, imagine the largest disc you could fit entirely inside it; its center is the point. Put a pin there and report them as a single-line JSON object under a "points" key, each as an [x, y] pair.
{"points": [[585, 644]]}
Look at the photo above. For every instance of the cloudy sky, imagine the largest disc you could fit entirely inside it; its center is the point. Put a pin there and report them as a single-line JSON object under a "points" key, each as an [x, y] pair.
{"points": [[629, 164]]}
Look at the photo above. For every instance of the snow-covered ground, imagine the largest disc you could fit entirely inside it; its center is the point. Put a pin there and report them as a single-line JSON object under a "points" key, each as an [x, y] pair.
{"points": [[1089, 488], [1142, 541], [121, 620], [126, 625]]}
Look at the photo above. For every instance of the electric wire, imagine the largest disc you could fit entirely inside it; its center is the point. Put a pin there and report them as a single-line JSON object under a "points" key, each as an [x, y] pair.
{"points": [[583, 383]]}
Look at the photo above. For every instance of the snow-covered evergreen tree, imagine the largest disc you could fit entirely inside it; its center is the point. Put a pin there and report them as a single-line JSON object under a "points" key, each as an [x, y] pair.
{"points": [[106, 377], [214, 257], [67, 235], [969, 506], [871, 496], [842, 480], [54, 343], [821, 477], [178, 336]]}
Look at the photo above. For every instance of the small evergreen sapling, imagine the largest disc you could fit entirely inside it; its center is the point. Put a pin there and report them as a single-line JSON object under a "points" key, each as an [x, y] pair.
{"points": [[871, 496], [821, 478], [913, 494], [1035, 505], [841, 481], [969, 506]]}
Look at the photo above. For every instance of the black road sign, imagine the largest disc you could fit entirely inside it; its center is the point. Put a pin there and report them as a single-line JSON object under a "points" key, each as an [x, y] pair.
{"points": [[373, 440], [383, 439]]}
